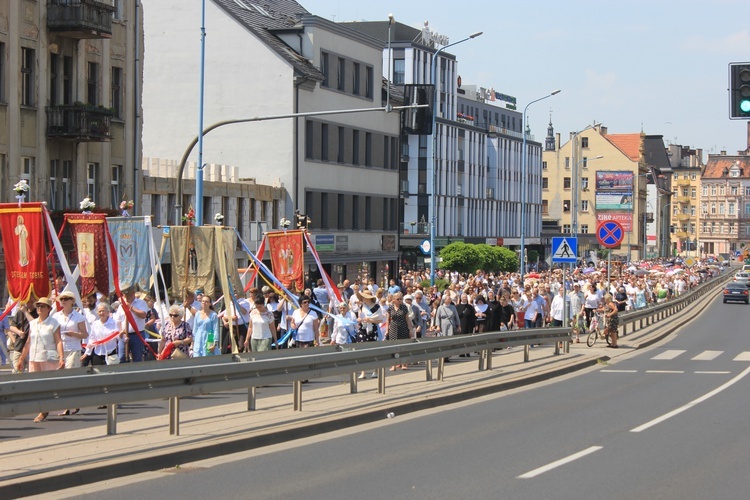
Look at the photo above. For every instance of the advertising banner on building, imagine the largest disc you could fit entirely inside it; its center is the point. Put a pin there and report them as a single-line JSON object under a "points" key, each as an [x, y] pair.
{"points": [[614, 181], [616, 200], [624, 218]]}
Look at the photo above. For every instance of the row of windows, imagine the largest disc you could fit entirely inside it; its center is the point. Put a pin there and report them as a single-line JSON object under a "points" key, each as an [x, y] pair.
{"points": [[351, 77], [327, 142], [62, 80], [567, 183], [566, 206], [693, 176], [343, 211], [733, 190], [583, 227], [721, 210]]}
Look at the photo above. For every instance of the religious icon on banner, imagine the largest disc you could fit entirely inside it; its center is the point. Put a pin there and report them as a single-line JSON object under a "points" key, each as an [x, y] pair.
{"points": [[86, 260], [287, 257], [23, 234]]}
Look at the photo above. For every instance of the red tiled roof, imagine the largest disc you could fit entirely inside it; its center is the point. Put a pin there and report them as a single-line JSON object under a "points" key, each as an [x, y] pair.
{"points": [[629, 144], [716, 165]]}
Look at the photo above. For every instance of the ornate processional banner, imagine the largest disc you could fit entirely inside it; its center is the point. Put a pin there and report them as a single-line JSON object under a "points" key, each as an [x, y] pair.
{"points": [[90, 242], [27, 272], [130, 236], [287, 258]]}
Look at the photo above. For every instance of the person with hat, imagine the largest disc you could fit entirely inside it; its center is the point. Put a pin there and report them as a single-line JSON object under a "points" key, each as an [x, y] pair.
{"points": [[73, 330], [370, 317], [44, 347]]}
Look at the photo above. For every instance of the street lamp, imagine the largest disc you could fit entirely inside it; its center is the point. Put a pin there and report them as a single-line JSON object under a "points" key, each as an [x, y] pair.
{"points": [[576, 203], [523, 180], [433, 202]]}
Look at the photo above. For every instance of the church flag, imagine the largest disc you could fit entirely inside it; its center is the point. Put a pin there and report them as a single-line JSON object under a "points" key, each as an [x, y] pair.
{"points": [[130, 236], [89, 240], [287, 258], [27, 272]]}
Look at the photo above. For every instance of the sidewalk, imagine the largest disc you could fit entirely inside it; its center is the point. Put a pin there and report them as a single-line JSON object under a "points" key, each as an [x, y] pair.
{"points": [[37, 465]]}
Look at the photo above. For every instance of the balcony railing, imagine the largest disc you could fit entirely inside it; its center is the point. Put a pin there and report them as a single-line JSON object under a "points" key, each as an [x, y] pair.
{"points": [[422, 228], [682, 182], [80, 18], [682, 199], [681, 216], [79, 122]]}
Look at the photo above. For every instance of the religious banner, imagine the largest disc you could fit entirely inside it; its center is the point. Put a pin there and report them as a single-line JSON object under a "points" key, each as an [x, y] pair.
{"points": [[229, 237], [130, 236], [287, 258], [193, 258], [22, 227], [89, 239]]}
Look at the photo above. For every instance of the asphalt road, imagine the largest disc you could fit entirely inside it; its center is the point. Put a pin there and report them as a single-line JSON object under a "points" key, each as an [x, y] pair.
{"points": [[668, 422]]}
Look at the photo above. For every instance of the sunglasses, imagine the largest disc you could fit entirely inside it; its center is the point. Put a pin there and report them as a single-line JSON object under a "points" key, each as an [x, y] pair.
{"points": [[174, 315], [66, 298]]}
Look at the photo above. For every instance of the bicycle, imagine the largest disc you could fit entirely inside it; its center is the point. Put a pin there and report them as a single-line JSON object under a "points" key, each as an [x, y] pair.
{"points": [[597, 329]]}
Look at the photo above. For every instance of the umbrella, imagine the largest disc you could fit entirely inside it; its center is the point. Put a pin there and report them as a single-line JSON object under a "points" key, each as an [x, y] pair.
{"points": [[632, 269], [641, 272], [532, 275]]}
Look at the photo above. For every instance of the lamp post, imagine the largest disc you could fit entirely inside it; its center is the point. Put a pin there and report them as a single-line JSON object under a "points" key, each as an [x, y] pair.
{"points": [[433, 202], [524, 187], [665, 225]]}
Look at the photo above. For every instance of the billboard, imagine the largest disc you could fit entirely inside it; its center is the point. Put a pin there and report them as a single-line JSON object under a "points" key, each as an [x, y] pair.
{"points": [[624, 218], [616, 200], [614, 181]]}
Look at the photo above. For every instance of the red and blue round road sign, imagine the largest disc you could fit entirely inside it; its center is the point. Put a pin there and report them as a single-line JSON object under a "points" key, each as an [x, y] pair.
{"points": [[610, 234]]}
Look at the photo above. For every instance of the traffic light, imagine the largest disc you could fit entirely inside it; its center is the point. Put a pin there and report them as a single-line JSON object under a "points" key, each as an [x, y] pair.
{"points": [[739, 91]]}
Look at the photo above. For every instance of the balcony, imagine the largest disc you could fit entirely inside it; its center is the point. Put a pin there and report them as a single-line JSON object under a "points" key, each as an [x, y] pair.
{"points": [[682, 182], [79, 122], [681, 217], [681, 234], [80, 19], [682, 199]]}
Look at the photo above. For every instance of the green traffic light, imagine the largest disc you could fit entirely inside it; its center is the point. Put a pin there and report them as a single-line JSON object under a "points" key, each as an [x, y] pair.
{"points": [[745, 105]]}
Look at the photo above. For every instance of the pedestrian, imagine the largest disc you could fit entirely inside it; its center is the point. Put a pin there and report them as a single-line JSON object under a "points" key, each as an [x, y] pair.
{"points": [[399, 324], [261, 328], [73, 330]]}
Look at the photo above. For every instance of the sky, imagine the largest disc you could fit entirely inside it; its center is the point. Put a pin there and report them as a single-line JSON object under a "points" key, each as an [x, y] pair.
{"points": [[660, 66]]}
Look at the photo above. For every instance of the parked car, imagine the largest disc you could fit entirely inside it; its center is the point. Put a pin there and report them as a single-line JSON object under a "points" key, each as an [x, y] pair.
{"points": [[736, 291], [742, 277]]}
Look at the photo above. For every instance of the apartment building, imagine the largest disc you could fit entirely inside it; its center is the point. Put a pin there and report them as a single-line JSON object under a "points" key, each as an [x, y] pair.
{"points": [[684, 208]]}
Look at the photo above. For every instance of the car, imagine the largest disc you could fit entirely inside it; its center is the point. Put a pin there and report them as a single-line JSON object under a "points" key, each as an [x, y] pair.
{"points": [[736, 291], [746, 268], [742, 277], [726, 263]]}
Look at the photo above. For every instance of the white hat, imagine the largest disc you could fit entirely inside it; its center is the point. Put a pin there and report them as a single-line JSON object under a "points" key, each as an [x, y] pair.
{"points": [[408, 297]]}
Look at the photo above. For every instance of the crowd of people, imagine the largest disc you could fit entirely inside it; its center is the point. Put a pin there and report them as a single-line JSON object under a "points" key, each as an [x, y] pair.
{"points": [[52, 333]]}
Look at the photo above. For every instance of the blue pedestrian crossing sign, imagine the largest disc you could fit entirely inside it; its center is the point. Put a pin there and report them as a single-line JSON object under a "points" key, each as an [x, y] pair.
{"points": [[565, 250]]}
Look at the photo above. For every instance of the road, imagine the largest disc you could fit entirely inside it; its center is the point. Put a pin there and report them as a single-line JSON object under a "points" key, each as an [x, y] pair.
{"points": [[664, 423]]}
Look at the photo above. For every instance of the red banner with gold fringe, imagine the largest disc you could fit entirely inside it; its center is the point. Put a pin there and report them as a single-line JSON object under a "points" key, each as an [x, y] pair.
{"points": [[91, 248], [27, 272], [287, 258]]}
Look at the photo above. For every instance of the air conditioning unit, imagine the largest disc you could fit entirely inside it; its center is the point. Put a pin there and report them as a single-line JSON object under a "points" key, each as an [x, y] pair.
{"points": [[491, 193]]}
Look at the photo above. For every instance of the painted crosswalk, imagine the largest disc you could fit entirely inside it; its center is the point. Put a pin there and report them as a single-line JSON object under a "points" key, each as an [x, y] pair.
{"points": [[673, 354], [669, 354], [707, 355]]}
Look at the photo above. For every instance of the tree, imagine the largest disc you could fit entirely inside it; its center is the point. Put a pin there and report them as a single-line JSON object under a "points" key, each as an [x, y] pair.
{"points": [[461, 257]]}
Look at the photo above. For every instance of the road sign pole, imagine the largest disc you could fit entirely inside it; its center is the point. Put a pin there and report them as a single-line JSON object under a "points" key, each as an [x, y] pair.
{"points": [[609, 263]]}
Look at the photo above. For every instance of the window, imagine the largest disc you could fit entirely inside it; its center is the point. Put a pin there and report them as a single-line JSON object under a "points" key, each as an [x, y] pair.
{"points": [[368, 213], [693, 176], [713, 190], [684, 192], [355, 79], [368, 81], [584, 205], [119, 9], [713, 208], [92, 83], [705, 191], [566, 183], [721, 209], [67, 80], [27, 172], [54, 68], [733, 190], [747, 208], [704, 208], [309, 136], [692, 193], [368, 149], [114, 187], [67, 181], [28, 60], [341, 75], [585, 162], [545, 207], [692, 211], [567, 162], [324, 142], [544, 165], [545, 183], [584, 142], [355, 212], [2, 72], [54, 198], [731, 208], [92, 172], [386, 152], [340, 154], [324, 68], [324, 210], [117, 91], [566, 206], [584, 183], [747, 190], [566, 228], [399, 71], [584, 229], [355, 147], [722, 190]]}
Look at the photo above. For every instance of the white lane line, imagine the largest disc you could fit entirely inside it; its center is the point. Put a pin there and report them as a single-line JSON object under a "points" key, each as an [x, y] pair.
{"points": [[665, 371], [744, 356], [619, 371], [712, 373], [707, 356], [694, 402], [670, 354], [558, 463]]}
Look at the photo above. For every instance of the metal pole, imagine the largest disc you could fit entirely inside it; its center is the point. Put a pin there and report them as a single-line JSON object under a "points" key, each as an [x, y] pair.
{"points": [[524, 186], [433, 206], [199, 173]]}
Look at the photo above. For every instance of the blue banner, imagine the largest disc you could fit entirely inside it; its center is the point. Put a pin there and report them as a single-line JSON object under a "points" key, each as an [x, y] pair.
{"points": [[130, 237]]}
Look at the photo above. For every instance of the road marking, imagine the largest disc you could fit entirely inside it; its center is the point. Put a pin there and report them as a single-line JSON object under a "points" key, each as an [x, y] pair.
{"points": [[670, 354], [558, 463], [694, 402], [707, 355], [665, 371], [745, 356], [619, 371], [714, 373]]}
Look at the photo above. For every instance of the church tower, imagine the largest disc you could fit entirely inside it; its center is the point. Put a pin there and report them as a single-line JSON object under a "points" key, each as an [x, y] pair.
{"points": [[549, 143]]}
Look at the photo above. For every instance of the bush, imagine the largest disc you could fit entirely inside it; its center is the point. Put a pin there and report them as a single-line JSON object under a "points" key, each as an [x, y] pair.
{"points": [[467, 258], [439, 282]]}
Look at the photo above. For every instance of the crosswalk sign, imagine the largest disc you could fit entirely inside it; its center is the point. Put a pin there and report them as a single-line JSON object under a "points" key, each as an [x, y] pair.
{"points": [[565, 250]]}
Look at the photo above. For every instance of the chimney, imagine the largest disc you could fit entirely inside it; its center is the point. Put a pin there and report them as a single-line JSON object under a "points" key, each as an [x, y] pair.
{"points": [[723, 152], [557, 141], [602, 130]]}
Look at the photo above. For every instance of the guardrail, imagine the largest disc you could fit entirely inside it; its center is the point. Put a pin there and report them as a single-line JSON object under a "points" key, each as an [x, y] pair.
{"points": [[111, 385]]}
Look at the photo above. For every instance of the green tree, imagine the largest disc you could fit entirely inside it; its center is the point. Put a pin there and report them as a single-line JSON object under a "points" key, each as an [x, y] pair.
{"points": [[508, 260], [533, 255], [460, 257]]}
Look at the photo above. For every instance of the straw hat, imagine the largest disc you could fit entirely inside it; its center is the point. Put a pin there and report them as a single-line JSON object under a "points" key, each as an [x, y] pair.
{"points": [[365, 295], [66, 295], [44, 301]]}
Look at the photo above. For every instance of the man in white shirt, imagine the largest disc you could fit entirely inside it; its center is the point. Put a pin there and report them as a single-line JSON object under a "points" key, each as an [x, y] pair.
{"points": [[138, 308]]}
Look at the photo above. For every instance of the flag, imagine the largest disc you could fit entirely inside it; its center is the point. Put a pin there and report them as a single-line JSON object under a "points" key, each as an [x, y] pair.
{"points": [[90, 242], [287, 257], [193, 258], [130, 236], [26, 267]]}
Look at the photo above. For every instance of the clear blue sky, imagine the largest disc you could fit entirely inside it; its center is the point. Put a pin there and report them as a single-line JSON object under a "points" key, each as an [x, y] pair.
{"points": [[658, 65]]}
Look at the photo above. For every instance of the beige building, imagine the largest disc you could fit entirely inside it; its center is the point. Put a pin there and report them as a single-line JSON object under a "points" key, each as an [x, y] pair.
{"points": [[683, 208], [69, 108], [607, 177]]}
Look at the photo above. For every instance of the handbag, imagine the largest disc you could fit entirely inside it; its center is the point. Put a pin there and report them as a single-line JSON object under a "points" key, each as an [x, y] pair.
{"points": [[178, 354], [52, 355]]}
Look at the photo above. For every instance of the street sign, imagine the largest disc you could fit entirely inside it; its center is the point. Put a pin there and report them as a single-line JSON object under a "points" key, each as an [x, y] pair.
{"points": [[425, 247], [565, 250], [690, 262], [610, 234]]}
